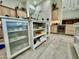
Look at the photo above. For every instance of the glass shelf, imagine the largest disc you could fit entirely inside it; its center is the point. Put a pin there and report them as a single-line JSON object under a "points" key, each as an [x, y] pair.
{"points": [[39, 35], [17, 38], [17, 30], [40, 29]]}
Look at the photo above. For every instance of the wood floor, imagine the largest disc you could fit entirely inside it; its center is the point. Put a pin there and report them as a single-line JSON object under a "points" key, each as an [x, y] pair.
{"points": [[57, 47]]}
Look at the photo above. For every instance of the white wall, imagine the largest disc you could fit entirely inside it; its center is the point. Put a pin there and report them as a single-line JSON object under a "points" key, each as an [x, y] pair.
{"points": [[70, 14], [70, 9], [11, 3], [45, 10]]}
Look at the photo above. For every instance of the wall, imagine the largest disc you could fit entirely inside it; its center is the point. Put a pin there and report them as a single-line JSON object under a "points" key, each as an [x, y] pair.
{"points": [[12, 3], [70, 9], [43, 10], [70, 14]]}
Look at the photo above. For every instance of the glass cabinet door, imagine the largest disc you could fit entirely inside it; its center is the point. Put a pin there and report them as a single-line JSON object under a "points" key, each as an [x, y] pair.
{"points": [[17, 32]]}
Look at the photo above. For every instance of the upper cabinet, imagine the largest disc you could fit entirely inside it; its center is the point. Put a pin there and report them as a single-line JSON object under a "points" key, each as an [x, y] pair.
{"points": [[7, 11], [55, 15], [21, 14]]}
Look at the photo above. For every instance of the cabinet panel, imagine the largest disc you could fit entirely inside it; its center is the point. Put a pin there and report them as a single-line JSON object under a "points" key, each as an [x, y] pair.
{"points": [[13, 14], [21, 13], [5, 11], [55, 15], [0, 11], [54, 28], [16, 36], [70, 29], [24, 14]]}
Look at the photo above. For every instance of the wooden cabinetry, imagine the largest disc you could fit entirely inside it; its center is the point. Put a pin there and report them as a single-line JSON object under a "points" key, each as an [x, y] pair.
{"points": [[54, 28], [21, 14], [70, 29], [12, 13], [1, 35], [55, 15], [0, 11], [24, 14], [5, 11]]}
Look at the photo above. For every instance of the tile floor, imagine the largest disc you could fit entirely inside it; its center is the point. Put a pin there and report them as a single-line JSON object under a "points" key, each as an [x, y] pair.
{"points": [[57, 47]]}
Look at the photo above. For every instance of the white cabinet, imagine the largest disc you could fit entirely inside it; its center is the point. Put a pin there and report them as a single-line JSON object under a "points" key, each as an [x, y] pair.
{"points": [[38, 32], [16, 36], [76, 38]]}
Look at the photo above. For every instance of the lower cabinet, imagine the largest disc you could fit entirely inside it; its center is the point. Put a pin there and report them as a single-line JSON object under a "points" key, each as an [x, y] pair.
{"points": [[70, 29], [16, 36], [54, 28]]}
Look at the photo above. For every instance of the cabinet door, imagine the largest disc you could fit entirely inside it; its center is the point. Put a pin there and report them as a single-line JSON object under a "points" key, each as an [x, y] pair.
{"points": [[5, 11], [70, 29], [0, 10], [55, 15], [24, 14], [16, 36], [13, 14], [54, 28], [19, 13]]}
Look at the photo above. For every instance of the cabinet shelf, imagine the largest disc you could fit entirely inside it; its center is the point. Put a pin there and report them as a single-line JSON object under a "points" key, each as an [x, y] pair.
{"points": [[38, 29], [17, 30], [39, 35], [38, 32], [38, 43], [37, 21], [17, 39]]}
